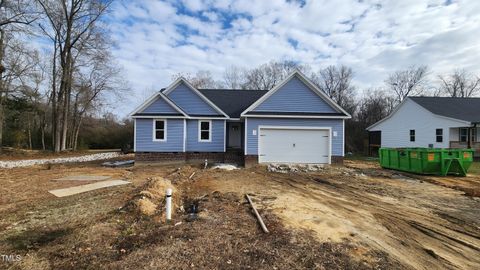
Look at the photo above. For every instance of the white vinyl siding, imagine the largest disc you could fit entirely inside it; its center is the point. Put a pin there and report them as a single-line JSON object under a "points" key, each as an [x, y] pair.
{"points": [[411, 116]]}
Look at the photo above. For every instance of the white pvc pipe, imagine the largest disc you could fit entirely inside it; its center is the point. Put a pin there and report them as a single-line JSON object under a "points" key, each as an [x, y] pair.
{"points": [[169, 204]]}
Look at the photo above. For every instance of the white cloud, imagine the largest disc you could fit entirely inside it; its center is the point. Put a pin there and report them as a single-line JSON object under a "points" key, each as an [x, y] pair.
{"points": [[156, 40]]}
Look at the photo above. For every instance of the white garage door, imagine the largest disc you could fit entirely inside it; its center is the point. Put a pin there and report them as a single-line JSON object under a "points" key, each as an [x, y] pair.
{"points": [[294, 145]]}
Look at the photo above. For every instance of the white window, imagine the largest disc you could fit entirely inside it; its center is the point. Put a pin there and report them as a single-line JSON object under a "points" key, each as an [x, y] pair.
{"points": [[463, 134], [159, 130], [205, 131], [439, 134]]}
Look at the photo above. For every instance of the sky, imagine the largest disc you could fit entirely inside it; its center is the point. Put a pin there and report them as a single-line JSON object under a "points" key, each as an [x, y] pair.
{"points": [[157, 39]]}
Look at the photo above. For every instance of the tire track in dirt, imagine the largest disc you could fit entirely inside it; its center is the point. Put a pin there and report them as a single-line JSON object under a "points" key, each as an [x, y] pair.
{"points": [[393, 216]]}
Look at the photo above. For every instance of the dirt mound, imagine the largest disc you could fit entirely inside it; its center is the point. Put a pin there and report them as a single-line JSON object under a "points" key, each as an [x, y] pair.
{"points": [[150, 198], [226, 235], [184, 173]]}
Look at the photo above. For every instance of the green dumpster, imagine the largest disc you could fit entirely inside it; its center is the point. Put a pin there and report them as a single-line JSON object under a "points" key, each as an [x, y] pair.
{"points": [[427, 160]]}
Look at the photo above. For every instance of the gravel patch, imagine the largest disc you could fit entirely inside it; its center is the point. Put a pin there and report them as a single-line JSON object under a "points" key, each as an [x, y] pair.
{"points": [[31, 162]]}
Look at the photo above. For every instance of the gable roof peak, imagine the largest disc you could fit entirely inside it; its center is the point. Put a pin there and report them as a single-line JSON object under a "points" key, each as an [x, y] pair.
{"points": [[297, 73]]}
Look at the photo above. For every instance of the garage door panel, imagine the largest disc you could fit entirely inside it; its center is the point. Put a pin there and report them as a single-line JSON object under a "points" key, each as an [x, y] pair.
{"points": [[294, 145]]}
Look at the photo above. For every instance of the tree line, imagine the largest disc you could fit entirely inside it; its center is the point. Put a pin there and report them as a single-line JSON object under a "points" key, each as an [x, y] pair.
{"points": [[53, 91], [366, 106], [50, 88]]}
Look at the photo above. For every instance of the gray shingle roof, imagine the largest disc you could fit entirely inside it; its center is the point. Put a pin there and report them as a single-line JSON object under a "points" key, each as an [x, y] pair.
{"points": [[467, 109], [233, 102]]}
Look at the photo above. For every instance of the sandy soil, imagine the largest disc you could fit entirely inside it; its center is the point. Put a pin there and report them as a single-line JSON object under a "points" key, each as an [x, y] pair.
{"points": [[419, 224], [347, 217]]}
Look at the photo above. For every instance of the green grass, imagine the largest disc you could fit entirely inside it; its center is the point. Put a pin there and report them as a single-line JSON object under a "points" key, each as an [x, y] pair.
{"points": [[475, 168]]}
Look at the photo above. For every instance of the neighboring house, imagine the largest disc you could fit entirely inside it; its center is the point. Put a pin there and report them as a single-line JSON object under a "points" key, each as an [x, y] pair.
{"points": [[439, 122], [295, 122]]}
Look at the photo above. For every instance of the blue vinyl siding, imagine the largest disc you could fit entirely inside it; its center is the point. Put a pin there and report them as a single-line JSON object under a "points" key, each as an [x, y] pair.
{"points": [[335, 124], [295, 96], [160, 106], [190, 102], [217, 141], [144, 136]]}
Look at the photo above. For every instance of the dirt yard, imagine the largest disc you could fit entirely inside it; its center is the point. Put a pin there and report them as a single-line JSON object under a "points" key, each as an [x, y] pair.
{"points": [[356, 216]]}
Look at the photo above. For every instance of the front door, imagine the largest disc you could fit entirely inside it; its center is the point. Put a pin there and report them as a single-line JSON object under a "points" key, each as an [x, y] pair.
{"points": [[234, 135]]}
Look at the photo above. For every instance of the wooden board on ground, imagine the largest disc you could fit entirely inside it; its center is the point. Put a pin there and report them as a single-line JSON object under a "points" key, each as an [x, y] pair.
{"points": [[84, 188], [83, 178]]}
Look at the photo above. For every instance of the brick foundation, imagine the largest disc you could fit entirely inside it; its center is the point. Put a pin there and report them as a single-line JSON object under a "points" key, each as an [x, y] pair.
{"points": [[251, 160], [198, 157], [160, 157], [189, 157], [337, 159], [195, 157]]}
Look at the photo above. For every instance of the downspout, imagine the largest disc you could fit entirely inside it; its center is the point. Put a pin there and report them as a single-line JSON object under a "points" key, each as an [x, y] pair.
{"points": [[469, 138], [470, 135], [476, 135]]}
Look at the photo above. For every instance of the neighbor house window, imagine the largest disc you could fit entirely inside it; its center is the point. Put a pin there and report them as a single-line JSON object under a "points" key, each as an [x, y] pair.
{"points": [[439, 133], [159, 130], [463, 132], [205, 130], [473, 133], [412, 135]]}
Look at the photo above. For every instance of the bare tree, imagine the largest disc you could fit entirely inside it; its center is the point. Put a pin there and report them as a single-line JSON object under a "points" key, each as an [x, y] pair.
{"points": [[13, 14], [233, 78], [407, 82], [201, 79], [460, 83], [68, 24], [336, 82], [20, 63], [374, 106], [98, 77], [266, 76]]}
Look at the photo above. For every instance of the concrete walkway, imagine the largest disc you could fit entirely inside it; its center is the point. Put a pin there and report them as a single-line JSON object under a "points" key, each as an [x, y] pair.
{"points": [[84, 188], [83, 178]]}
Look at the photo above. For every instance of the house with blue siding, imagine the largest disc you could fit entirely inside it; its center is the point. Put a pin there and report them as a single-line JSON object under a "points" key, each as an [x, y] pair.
{"points": [[294, 122]]}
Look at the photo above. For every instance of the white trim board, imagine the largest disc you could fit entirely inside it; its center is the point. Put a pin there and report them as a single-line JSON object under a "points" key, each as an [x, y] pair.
{"points": [[224, 136], [245, 131], [295, 116], [184, 134], [309, 84], [134, 135]]}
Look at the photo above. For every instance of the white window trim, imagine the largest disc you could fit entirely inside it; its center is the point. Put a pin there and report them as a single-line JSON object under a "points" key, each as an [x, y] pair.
{"points": [[164, 130], [460, 135], [200, 130]]}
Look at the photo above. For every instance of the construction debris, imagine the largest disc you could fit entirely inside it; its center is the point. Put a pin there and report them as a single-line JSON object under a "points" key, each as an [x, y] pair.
{"points": [[122, 163], [259, 218], [31, 162], [225, 166], [287, 168]]}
